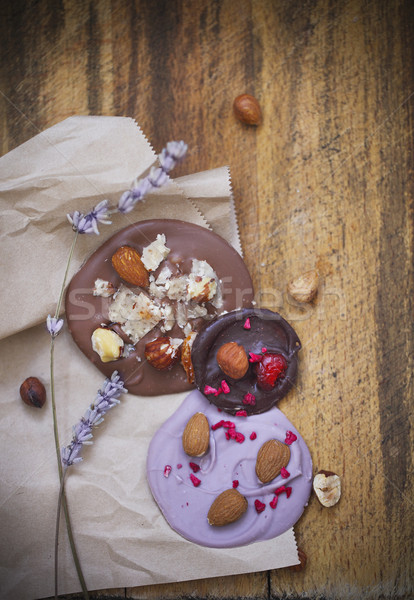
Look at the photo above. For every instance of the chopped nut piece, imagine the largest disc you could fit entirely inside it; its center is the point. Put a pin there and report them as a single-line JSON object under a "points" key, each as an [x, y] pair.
{"points": [[327, 486], [135, 313], [104, 288], [201, 289], [186, 356], [108, 344], [155, 253]]}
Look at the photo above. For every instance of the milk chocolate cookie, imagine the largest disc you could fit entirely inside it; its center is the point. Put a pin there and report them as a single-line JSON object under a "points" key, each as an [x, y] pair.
{"points": [[246, 360], [138, 302]]}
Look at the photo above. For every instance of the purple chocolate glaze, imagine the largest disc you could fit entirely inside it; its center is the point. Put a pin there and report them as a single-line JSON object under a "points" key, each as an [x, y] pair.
{"points": [[185, 506]]}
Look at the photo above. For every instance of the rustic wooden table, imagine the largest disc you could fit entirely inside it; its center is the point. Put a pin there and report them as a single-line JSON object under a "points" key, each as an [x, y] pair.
{"points": [[325, 182]]}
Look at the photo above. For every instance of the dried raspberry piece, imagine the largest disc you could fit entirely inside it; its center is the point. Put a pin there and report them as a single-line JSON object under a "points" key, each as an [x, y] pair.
{"points": [[239, 437], [273, 503], [194, 466], [264, 350], [179, 466], [249, 399], [284, 473], [167, 470], [217, 425], [196, 481], [255, 358], [290, 438], [259, 506], [241, 413], [235, 483], [225, 387], [231, 433], [229, 424], [247, 324], [271, 368], [253, 435], [283, 489], [219, 391], [209, 390]]}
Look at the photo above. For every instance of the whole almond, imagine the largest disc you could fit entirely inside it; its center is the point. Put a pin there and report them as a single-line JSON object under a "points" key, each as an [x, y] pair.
{"points": [[232, 360], [228, 507], [272, 456], [304, 287], [128, 264], [196, 435], [247, 109]]}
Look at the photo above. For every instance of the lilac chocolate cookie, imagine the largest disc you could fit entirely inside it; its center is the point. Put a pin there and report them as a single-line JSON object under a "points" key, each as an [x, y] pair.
{"points": [[228, 482]]}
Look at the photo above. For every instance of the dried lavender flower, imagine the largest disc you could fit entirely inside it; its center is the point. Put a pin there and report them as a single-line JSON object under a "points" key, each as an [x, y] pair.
{"points": [[89, 223], [54, 325], [158, 176], [106, 399]]}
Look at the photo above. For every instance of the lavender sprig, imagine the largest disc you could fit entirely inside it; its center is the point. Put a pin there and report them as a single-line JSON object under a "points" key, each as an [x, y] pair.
{"points": [[158, 176], [89, 223], [106, 399], [54, 325]]}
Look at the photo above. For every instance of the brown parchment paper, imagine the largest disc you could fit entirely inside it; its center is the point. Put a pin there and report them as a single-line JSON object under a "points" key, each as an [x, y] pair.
{"points": [[122, 538]]}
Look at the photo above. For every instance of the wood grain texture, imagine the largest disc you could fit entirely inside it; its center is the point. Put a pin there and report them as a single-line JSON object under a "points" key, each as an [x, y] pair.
{"points": [[326, 181]]}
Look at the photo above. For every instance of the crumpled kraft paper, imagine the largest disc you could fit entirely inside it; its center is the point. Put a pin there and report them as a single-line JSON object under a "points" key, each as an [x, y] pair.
{"points": [[122, 538]]}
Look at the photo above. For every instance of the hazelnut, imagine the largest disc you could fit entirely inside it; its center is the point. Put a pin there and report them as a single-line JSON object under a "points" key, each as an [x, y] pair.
{"points": [[108, 344], [232, 360], [327, 486], [304, 287], [247, 109], [32, 392]]}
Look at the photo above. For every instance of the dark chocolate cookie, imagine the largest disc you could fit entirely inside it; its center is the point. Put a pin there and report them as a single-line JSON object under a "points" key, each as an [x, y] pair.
{"points": [[255, 334]]}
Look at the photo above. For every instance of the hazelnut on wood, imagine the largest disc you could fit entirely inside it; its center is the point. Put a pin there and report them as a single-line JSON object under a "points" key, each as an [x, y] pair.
{"points": [[247, 109]]}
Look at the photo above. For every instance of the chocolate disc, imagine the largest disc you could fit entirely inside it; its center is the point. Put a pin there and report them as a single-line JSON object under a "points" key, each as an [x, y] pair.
{"points": [[86, 312], [258, 331], [185, 487]]}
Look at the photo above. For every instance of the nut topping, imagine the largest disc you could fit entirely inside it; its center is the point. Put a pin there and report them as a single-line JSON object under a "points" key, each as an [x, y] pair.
{"points": [[196, 436], [232, 360], [108, 344], [228, 507], [247, 109], [186, 356], [128, 264], [32, 392], [327, 486], [304, 287], [271, 458], [163, 352]]}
